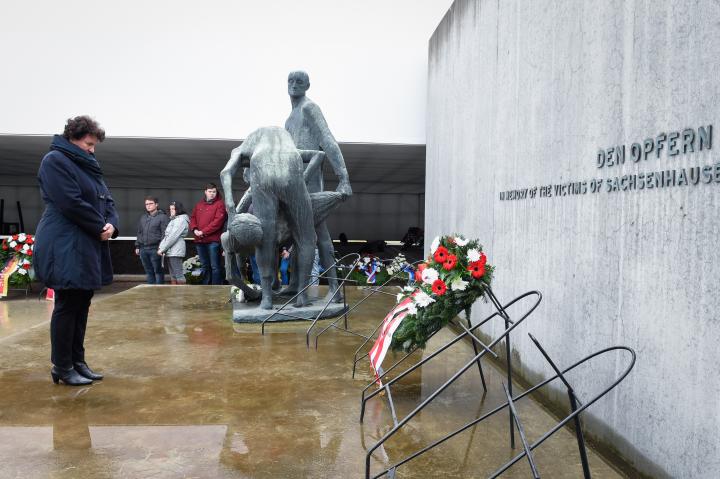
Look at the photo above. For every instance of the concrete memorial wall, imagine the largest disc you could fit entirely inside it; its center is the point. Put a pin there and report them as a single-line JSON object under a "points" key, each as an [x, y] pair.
{"points": [[580, 142]]}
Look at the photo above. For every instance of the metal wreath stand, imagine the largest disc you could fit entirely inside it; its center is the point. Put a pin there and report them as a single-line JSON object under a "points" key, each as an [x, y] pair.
{"points": [[343, 263], [481, 349]]}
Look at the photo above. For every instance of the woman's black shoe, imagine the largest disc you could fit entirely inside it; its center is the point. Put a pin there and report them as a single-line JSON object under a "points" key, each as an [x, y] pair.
{"points": [[84, 370], [69, 377]]}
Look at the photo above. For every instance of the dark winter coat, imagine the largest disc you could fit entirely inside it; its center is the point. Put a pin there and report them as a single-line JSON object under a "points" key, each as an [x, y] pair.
{"points": [[208, 218], [151, 229], [68, 252]]}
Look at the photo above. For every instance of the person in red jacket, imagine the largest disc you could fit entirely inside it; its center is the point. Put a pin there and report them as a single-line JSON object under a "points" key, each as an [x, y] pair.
{"points": [[207, 223]]}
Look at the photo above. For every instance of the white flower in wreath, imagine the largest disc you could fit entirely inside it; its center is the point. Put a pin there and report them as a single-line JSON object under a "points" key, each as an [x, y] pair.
{"points": [[458, 284], [400, 297], [408, 289], [22, 237], [473, 255], [22, 271], [412, 309], [26, 247], [429, 275], [191, 264], [237, 294], [434, 245], [13, 244], [423, 300], [460, 241]]}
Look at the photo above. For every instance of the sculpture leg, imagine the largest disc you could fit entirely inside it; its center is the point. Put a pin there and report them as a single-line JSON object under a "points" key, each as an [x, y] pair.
{"points": [[225, 242], [265, 205], [300, 218], [327, 259], [234, 259]]}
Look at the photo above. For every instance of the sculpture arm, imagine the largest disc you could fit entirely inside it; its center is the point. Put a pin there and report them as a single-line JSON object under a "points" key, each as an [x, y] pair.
{"points": [[308, 155], [226, 177], [244, 204], [327, 142], [314, 160]]}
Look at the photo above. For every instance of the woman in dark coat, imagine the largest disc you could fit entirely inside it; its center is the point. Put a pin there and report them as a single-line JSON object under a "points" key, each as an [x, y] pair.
{"points": [[72, 254]]}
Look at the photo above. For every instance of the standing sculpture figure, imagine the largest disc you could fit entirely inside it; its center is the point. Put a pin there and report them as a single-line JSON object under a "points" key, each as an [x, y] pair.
{"points": [[308, 129], [275, 175]]}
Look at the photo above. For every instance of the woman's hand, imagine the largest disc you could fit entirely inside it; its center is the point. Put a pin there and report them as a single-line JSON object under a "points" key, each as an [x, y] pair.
{"points": [[107, 232]]}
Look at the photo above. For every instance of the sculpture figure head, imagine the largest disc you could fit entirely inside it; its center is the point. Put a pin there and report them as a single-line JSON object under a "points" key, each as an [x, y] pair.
{"points": [[246, 230], [298, 84]]}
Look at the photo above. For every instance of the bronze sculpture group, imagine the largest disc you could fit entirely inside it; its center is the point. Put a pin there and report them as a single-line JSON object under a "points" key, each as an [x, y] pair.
{"points": [[285, 200]]}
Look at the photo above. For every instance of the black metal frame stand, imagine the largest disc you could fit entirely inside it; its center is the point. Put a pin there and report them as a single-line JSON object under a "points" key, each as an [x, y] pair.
{"points": [[510, 325], [372, 291], [574, 410], [576, 406], [280, 310]]}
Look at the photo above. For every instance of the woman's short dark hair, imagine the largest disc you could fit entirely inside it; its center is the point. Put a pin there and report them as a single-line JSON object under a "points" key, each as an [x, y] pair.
{"points": [[179, 209], [80, 126]]}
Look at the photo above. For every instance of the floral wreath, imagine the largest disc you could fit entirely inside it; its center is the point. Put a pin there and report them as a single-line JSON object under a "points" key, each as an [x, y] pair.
{"points": [[454, 276], [16, 255]]}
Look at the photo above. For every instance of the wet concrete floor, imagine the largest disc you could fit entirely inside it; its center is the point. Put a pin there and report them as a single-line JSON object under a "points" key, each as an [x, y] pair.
{"points": [[189, 394]]}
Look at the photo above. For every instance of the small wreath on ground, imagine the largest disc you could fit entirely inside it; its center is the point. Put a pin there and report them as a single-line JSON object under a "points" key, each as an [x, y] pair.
{"points": [[454, 276], [16, 255], [192, 269]]}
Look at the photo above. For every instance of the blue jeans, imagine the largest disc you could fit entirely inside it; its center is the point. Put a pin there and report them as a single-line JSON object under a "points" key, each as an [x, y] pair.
{"points": [[210, 259], [284, 264], [255, 270], [151, 262]]}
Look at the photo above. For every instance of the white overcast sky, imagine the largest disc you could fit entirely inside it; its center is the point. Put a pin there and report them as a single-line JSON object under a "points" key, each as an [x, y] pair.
{"points": [[216, 69]]}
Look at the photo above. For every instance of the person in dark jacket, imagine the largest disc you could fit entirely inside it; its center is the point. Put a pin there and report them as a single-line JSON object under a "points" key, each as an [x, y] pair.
{"points": [[206, 223], [72, 254], [150, 231]]}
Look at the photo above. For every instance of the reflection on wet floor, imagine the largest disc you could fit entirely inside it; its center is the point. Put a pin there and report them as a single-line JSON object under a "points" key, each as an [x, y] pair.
{"points": [[189, 394]]}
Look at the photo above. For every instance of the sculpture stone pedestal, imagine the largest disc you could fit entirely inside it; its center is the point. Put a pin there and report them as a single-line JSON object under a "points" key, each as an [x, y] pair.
{"points": [[251, 313]]}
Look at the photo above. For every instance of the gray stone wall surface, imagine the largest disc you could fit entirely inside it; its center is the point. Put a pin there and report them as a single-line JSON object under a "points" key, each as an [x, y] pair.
{"points": [[523, 94]]}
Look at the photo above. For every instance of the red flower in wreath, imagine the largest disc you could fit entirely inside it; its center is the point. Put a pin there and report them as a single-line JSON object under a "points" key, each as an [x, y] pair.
{"points": [[15, 237], [439, 287], [441, 254], [29, 253], [450, 262], [18, 248], [477, 268], [418, 272], [26, 266], [29, 240], [483, 259], [4, 246]]}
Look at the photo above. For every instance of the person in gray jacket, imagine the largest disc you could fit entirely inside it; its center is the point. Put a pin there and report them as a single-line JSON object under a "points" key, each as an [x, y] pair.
{"points": [[151, 228], [172, 245]]}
